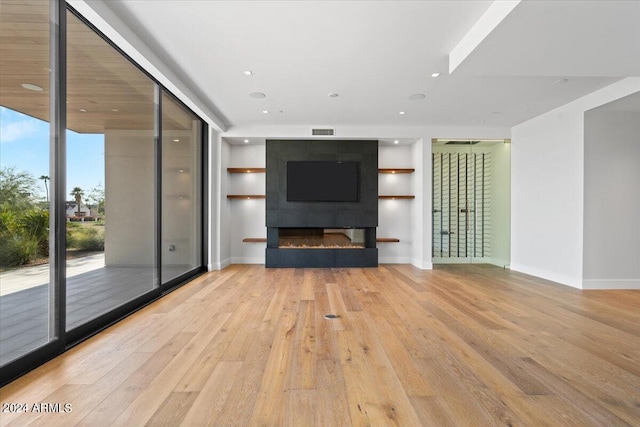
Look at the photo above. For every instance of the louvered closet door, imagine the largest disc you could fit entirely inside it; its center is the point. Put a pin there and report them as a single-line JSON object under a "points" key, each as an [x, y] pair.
{"points": [[461, 206]]}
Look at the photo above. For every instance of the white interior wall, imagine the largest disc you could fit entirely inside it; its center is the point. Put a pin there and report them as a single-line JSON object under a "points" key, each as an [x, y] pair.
{"points": [[547, 177], [225, 230], [420, 245], [612, 200], [395, 216], [213, 203]]}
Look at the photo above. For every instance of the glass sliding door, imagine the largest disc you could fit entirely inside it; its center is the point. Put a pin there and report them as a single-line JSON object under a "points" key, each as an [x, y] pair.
{"points": [[26, 295], [111, 180], [101, 184], [471, 197], [181, 190]]}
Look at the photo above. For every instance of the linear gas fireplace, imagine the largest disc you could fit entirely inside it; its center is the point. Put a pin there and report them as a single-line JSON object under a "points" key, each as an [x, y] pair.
{"points": [[321, 247], [321, 238]]}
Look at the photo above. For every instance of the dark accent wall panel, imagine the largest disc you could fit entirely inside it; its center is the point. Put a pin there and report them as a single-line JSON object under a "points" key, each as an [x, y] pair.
{"points": [[281, 213]]}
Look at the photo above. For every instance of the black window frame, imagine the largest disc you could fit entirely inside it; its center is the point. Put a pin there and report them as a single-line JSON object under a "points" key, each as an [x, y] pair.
{"points": [[62, 340]]}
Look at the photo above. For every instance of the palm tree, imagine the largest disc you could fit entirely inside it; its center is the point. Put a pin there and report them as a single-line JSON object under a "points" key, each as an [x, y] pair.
{"points": [[45, 178], [77, 194]]}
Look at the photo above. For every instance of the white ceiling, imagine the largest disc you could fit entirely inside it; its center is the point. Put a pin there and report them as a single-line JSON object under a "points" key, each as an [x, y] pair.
{"points": [[375, 54]]}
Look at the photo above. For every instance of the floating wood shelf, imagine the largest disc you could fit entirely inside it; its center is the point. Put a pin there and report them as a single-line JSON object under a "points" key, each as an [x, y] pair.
{"points": [[246, 196], [246, 170], [396, 170], [387, 240], [397, 197], [255, 240]]}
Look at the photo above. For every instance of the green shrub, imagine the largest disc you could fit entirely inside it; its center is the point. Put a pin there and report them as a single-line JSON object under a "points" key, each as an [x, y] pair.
{"points": [[85, 239], [16, 250], [24, 236], [35, 224]]}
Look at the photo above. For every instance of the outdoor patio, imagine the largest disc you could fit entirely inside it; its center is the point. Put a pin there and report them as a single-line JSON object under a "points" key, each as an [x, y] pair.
{"points": [[24, 312]]}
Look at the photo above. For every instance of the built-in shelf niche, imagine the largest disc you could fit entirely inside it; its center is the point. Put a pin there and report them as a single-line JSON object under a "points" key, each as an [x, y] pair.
{"points": [[396, 170], [387, 240], [246, 170]]}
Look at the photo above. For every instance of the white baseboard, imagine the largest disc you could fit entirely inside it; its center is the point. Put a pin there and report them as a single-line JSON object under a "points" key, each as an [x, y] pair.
{"points": [[224, 264], [422, 265], [611, 284], [394, 260], [247, 260], [554, 277]]}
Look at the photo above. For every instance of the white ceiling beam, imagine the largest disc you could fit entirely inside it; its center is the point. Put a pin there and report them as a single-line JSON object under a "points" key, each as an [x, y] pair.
{"points": [[486, 24]]}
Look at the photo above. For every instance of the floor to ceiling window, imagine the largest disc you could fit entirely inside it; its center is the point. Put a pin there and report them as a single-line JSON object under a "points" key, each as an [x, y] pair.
{"points": [[101, 184], [181, 178], [110, 177], [25, 291]]}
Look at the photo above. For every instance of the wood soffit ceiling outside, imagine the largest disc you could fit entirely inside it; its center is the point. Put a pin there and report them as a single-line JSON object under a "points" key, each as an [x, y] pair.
{"points": [[115, 93]]}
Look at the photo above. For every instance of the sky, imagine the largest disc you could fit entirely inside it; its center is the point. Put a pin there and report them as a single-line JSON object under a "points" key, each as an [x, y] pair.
{"points": [[24, 144]]}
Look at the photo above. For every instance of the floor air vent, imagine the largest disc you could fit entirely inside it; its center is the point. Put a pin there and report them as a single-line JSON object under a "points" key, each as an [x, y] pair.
{"points": [[323, 131]]}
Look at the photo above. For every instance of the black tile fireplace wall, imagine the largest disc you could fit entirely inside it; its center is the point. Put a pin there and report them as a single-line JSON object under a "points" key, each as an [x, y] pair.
{"points": [[360, 214]]}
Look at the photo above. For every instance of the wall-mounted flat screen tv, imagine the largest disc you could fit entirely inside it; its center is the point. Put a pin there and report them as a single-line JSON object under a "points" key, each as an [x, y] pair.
{"points": [[322, 181]]}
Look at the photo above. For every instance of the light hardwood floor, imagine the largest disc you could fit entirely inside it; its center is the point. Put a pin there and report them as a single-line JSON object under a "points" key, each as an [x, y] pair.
{"points": [[459, 346]]}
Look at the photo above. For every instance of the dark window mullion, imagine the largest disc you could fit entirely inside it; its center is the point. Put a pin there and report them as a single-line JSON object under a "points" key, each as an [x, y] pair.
{"points": [[158, 182], [58, 161], [204, 188]]}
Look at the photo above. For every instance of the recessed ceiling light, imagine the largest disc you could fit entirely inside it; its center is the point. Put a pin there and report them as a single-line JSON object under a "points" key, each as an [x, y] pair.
{"points": [[247, 72], [115, 110], [83, 110], [257, 95], [181, 170], [246, 141], [417, 96], [396, 141], [333, 95], [402, 113], [176, 140], [435, 75], [560, 81], [31, 86], [265, 111]]}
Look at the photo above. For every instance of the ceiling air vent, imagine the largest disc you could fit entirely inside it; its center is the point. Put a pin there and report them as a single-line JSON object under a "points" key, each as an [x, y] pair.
{"points": [[323, 131], [462, 142]]}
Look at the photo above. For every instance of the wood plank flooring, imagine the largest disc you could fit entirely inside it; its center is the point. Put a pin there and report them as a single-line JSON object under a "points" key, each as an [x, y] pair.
{"points": [[466, 345]]}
